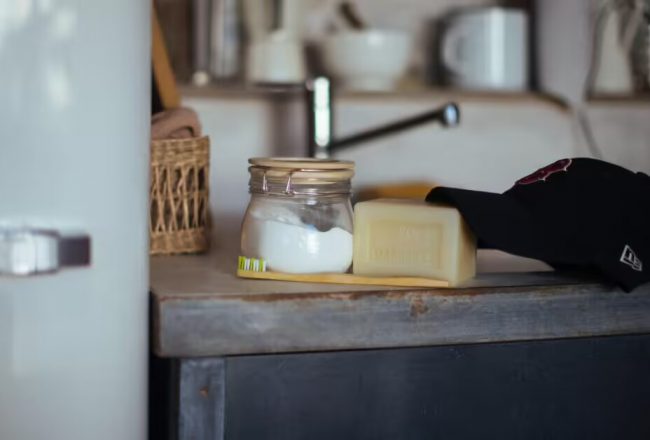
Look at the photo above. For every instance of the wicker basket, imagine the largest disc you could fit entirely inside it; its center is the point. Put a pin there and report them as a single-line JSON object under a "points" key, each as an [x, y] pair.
{"points": [[179, 217]]}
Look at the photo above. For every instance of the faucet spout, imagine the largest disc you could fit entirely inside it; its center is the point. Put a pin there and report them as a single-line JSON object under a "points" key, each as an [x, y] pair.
{"points": [[320, 127], [448, 115]]}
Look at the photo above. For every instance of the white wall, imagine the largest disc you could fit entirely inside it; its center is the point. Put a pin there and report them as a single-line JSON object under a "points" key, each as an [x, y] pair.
{"points": [[622, 131], [497, 142]]}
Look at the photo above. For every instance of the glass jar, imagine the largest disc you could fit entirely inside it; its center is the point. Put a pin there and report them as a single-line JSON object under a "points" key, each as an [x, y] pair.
{"points": [[299, 218]]}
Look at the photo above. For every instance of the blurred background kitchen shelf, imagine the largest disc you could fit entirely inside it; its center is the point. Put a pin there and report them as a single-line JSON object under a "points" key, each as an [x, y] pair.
{"points": [[186, 22], [637, 99], [564, 39], [243, 91], [578, 87]]}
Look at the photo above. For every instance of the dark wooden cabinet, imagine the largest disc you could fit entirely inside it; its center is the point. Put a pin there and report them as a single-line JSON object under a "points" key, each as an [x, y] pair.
{"points": [[584, 388]]}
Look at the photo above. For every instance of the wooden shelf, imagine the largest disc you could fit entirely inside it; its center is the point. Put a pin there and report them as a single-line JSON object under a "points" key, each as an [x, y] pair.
{"points": [[242, 91], [497, 97], [638, 99], [417, 93]]}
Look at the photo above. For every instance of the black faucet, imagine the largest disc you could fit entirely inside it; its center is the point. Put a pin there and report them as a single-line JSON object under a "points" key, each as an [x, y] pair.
{"points": [[320, 115]]}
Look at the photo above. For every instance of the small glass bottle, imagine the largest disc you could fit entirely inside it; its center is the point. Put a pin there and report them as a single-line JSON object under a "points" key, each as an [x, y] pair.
{"points": [[299, 218]]}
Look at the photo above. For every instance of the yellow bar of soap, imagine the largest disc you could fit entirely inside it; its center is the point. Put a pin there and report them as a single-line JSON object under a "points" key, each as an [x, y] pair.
{"points": [[394, 237]]}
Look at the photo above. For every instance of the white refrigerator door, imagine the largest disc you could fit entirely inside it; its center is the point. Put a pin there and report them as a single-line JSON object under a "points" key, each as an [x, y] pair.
{"points": [[74, 126]]}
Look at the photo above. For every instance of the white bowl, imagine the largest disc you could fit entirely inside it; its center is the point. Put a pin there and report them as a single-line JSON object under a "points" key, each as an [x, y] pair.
{"points": [[366, 60]]}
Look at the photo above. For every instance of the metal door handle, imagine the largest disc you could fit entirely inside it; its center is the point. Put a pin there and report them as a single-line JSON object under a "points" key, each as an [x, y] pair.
{"points": [[27, 251]]}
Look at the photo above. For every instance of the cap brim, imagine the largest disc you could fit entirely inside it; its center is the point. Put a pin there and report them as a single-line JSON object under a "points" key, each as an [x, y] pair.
{"points": [[500, 222]]}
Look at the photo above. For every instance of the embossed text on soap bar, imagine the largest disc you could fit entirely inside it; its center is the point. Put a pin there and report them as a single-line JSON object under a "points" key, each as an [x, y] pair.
{"points": [[394, 242]]}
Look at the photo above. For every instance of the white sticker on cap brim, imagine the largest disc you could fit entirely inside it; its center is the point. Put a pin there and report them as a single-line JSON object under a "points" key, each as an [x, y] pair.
{"points": [[629, 257]]}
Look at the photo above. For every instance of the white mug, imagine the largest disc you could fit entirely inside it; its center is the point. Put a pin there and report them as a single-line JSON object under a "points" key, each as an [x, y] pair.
{"points": [[486, 49]]}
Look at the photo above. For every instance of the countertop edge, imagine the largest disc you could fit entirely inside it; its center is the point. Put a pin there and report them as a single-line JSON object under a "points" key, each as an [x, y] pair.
{"points": [[236, 325]]}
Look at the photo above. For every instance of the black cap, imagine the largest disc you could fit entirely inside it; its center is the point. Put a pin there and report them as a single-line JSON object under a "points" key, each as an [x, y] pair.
{"points": [[580, 213]]}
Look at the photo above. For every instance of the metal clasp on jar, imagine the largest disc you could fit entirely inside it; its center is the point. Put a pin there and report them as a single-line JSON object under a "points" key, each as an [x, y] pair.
{"points": [[288, 190]]}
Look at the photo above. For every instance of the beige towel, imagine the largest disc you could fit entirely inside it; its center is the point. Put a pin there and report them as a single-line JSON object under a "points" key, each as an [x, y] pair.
{"points": [[178, 123]]}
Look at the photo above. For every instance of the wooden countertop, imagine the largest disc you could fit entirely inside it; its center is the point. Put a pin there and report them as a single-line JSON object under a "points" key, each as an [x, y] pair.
{"points": [[200, 308]]}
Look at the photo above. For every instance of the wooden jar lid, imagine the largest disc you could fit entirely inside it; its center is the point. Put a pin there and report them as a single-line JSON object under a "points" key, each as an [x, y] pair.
{"points": [[302, 168]]}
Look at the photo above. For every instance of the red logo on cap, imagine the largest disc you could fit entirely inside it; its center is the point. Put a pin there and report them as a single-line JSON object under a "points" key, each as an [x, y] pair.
{"points": [[544, 173]]}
